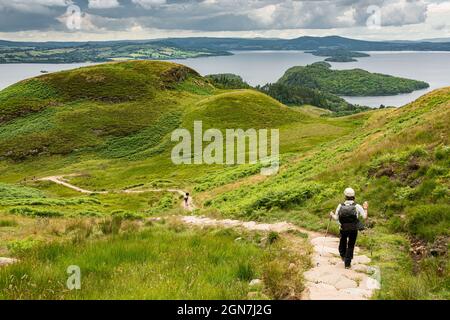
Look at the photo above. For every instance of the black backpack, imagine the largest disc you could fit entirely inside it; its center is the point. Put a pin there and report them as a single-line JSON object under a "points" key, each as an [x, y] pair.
{"points": [[348, 217]]}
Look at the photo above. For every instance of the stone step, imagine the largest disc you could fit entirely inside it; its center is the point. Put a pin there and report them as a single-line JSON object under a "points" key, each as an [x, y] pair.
{"points": [[7, 261]]}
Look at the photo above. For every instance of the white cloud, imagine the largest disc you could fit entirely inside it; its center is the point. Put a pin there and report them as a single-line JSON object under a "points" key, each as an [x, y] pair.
{"points": [[148, 4], [403, 12], [33, 6], [439, 16], [103, 4], [264, 15]]}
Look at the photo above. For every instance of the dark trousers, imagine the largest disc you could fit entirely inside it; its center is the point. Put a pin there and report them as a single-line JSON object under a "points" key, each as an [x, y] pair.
{"points": [[347, 245]]}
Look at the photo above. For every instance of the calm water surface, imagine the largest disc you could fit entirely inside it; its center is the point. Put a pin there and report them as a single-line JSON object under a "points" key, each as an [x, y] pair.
{"points": [[12, 73], [261, 67]]}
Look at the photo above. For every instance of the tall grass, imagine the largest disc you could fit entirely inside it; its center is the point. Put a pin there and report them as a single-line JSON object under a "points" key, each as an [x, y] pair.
{"points": [[154, 264]]}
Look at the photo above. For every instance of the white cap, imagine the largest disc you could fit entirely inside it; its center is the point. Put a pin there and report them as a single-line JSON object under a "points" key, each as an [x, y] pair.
{"points": [[349, 192]]}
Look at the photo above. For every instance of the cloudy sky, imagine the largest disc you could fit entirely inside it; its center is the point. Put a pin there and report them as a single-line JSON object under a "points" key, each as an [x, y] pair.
{"points": [[43, 20]]}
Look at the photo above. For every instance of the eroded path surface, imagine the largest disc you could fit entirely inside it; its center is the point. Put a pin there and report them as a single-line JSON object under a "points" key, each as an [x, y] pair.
{"points": [[326, 280]]}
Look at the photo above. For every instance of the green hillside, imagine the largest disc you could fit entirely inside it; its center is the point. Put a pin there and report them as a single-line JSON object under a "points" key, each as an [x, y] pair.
{"points": [[294, 95], [107, 114], [355, 82], [110, 125], [399, 160], [228, 81], [96, 107]]}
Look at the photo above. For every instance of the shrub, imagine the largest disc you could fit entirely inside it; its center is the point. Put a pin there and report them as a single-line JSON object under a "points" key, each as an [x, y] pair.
{"points": [[245, 271], [21, 247], [126, 215], [284, 199], [442, 153], [31, 212], [8, 223], [111, 225], [9, 191], [429, 221], [81, 230], [165, 203], [272, 237], [396, 224]]}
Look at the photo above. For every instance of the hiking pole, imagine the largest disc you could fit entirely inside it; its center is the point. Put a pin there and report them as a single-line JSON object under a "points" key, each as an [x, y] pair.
{"points": [[326, 234]]}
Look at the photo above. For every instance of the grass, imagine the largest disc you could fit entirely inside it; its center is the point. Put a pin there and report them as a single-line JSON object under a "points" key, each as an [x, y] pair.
{"points": [[8, 223], [160, 262]]}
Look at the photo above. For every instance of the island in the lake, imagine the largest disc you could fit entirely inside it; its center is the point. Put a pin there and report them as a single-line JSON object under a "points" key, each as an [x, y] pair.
{"points": [[352, 82], [338, 54]]}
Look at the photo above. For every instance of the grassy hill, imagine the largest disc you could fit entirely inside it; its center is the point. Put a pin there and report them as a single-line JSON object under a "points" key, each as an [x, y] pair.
{"points": [[228, 81], [111, 124], [399, 160], [355, 82]]}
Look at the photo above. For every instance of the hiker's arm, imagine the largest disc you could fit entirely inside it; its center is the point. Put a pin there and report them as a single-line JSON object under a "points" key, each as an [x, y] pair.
{"points": [[363, 210], [335, 215], [366, 208]]}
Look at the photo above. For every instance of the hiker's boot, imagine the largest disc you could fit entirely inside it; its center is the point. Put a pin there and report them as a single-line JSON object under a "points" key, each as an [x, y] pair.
{"points": [[348, 264]]}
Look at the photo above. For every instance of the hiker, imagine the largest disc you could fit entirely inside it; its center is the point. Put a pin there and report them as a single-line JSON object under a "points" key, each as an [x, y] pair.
{"points": [[348, 215], [186, 200]]}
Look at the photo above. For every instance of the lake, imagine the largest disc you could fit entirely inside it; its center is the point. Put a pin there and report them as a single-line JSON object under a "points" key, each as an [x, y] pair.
{"points": [[12, 73], [261, 67]]}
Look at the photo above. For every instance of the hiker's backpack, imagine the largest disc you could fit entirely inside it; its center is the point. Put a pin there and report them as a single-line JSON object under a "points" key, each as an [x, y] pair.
{"points": [[348, 217]]}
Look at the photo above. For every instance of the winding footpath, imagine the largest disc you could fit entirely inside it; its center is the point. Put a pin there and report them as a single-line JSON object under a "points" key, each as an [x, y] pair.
{"points": [[61, 180], [326, 280]]}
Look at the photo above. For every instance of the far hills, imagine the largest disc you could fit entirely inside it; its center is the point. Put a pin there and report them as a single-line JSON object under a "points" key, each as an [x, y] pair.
{"points": [[179, 48]]}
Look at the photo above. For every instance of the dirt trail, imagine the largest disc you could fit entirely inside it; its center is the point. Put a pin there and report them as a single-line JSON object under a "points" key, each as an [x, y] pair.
{"points": [[61, 180], [327, 280]]}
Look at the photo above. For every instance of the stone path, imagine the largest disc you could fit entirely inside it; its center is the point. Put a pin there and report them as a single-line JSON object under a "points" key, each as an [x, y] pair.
{"points": [[6, 261], [328, 279]]}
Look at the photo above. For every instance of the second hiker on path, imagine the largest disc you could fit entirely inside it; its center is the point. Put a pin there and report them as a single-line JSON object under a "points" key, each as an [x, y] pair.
{"points": [[348, 215], [186, 200]]}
